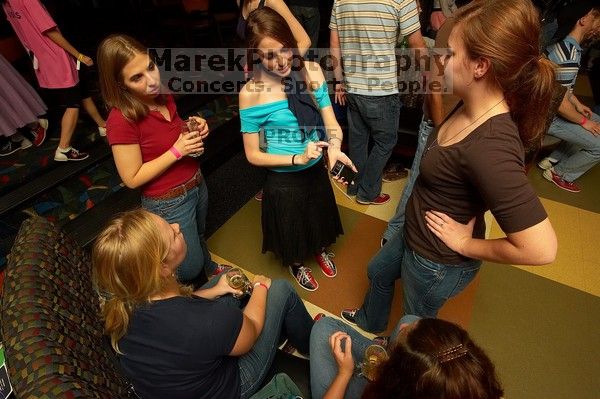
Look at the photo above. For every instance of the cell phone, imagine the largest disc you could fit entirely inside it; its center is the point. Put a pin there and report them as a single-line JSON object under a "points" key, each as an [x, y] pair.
{"points": [[341, 170]]}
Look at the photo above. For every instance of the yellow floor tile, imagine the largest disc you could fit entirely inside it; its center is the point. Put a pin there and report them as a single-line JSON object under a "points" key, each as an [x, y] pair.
{"points": [[343, 199], [591, 281], [577, 261], [589, 239], [386, 211], [382, 212]]}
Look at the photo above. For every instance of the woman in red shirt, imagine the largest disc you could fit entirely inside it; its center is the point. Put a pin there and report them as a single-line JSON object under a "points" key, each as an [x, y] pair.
{"points": [[144, 131]]}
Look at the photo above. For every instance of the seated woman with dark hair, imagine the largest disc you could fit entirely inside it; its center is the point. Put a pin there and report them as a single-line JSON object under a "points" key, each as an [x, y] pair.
{"points": [[428, 359], [178, 344]]}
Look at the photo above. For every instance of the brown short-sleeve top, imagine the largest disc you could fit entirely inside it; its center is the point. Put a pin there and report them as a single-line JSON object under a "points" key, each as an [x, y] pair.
{"points": [[483, 171]]}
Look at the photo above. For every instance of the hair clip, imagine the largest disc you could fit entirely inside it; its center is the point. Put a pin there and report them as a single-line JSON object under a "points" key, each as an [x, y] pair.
{"points": [[452, 353]]}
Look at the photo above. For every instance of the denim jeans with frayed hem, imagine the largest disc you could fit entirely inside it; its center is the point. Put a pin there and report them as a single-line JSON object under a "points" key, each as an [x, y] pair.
{"points": [[189, 211], [427, 285], [371, 118]]}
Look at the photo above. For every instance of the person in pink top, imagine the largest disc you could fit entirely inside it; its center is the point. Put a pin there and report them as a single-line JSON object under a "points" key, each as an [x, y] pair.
{"points": [[55, 62]]}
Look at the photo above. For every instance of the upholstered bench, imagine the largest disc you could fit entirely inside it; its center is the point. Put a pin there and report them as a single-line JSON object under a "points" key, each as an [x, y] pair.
{"points": [[49, 320]]}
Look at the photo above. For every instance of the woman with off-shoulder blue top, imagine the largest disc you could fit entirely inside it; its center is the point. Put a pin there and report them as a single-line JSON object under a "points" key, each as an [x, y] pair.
{"points": [[288, 101]]}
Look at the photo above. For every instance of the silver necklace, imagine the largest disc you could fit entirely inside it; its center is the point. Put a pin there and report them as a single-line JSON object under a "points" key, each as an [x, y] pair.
{"points": [[436, 143]]}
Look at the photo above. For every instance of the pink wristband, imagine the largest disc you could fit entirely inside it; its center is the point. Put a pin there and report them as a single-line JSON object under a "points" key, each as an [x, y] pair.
{"points": [[583, 121], [175, 152], [262, 285]]}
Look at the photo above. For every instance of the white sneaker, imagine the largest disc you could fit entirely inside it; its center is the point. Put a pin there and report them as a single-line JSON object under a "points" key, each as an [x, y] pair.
{"points": [[70, 154], [102, 131], [546, 163]]}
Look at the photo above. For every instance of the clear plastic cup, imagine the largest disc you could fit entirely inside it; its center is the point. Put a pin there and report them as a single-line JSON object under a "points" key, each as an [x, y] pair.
{"points": [[375, 355], [188, 127], [238, 280]]}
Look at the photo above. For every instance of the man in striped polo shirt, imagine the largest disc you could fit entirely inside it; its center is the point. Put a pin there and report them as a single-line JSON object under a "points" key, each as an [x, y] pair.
{"points": [[580, 149], [364, 34]]}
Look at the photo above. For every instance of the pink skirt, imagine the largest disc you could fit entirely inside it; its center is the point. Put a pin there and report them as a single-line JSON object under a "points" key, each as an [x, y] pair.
{"points": [[19, 102]]}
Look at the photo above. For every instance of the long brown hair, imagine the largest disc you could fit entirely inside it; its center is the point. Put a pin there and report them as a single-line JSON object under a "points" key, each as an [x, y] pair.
{"points": [[126, 262], [437, 360], [507, 32], [114, 53]]}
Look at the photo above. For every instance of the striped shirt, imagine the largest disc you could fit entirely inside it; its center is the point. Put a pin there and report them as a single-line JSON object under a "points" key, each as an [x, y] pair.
{"points": [[566, 54], [369, 31]]}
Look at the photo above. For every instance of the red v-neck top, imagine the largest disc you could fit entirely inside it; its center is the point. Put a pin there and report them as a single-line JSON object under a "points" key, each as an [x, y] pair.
{"points": [[155, 135]]}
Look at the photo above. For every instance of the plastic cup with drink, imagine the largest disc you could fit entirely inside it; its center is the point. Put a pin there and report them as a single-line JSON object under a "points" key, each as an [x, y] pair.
{"points": [[191, 127]]}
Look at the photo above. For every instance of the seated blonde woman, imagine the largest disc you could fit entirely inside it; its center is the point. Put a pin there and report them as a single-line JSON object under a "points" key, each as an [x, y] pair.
{"points": [[177, 343]]}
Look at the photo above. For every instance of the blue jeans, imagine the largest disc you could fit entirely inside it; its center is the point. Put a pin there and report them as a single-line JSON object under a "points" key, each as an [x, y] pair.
{"points": [[189, 211], [579, 151], [323, 367], [285, 315], [396, 223], [371, 118], [427, 285]]}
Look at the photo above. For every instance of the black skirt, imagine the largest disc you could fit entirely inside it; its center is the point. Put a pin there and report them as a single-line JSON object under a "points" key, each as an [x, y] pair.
{"points": [[299, 213]]}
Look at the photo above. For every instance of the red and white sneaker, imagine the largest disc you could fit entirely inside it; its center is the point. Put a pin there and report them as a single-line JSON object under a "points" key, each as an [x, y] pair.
{"points": [[304, 277], [555, 178], [327, 266], [379, 200], [39, 133], [70, 154]]}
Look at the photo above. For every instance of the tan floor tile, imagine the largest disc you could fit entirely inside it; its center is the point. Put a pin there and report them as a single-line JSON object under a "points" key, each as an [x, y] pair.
{"points": [[386, 211], [577, 260], [382, 212], [341, 198], [589, 239]]}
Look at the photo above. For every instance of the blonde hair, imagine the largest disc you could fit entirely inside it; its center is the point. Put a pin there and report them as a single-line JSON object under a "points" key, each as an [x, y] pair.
{"points": [[127, 259], [507, 33], [114, 53]]}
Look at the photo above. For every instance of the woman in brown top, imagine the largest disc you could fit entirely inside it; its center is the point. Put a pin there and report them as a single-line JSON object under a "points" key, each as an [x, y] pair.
{"points": [[472, 163]]}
